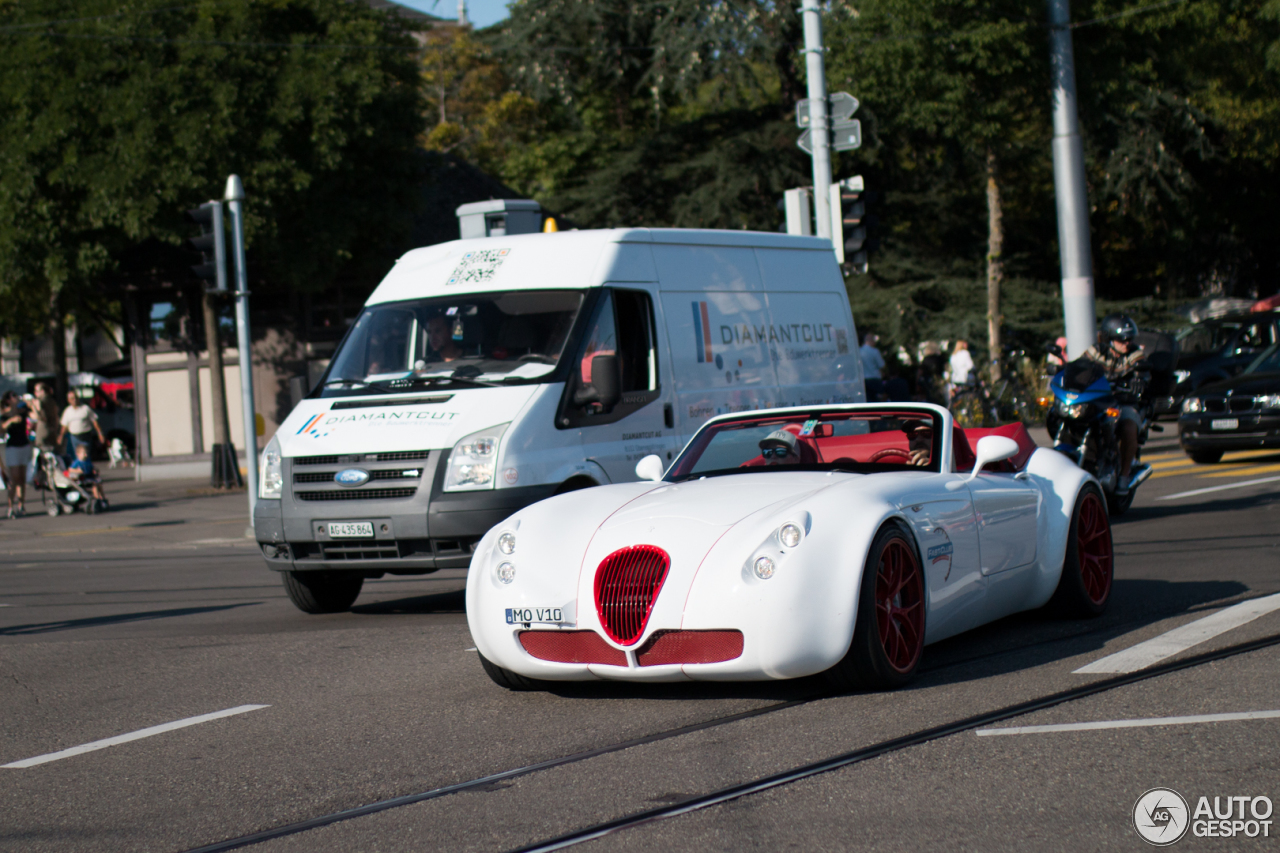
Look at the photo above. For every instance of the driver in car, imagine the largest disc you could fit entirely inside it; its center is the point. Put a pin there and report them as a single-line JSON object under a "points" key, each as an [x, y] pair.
{"points": [[440, 338], [780, 448], [919, 441]]}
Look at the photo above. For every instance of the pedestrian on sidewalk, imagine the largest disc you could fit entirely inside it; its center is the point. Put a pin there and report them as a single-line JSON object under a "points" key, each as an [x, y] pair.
{"points": [[17, 450], [79, 424], [872, 365], [44, 415]]}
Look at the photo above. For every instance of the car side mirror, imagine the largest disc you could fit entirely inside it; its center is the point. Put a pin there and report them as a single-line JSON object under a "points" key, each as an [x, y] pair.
{"points": [[604, 386], [650, 468], [993, 448]]}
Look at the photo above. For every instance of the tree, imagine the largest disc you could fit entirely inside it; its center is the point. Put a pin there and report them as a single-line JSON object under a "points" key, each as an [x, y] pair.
{"points": [[114, 119]]}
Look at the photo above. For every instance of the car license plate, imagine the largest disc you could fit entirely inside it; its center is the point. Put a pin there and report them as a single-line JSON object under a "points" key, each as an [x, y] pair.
{"points": [[1225, 423], [528, 615], [351, 530]]}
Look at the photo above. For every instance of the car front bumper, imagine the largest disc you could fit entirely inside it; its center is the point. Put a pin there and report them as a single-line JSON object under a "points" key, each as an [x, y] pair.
{"points": [[1196, 432]]}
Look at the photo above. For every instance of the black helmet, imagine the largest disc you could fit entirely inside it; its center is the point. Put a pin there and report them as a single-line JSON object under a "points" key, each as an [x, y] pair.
{"points": [[1119, 327]]}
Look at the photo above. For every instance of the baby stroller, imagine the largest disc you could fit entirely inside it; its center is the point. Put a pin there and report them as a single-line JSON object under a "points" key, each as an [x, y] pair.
{"points": [[61, 493]]}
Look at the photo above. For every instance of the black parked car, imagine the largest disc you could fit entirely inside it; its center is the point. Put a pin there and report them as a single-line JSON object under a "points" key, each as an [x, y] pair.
{"points": [[1217, 349], [1241, 413]]}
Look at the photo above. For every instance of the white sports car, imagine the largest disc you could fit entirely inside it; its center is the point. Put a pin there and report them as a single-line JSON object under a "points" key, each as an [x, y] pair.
{"points": [[787, 542]]}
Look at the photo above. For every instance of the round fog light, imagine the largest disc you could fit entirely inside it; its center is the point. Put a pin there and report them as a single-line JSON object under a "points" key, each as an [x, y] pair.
{"points": [[507, 543], [764, 568], [506, 572], [790, 534]]}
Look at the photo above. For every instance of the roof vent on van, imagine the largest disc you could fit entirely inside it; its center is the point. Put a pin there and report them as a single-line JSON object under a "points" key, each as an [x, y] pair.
{"points": [[500, 216]]}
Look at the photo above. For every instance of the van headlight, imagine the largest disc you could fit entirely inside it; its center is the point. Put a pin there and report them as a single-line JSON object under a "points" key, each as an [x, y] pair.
{"points": [[270, 472], [474, 460]]}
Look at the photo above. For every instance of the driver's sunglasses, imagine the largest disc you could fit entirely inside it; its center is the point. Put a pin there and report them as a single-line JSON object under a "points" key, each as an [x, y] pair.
{"points": [[773, 452]]}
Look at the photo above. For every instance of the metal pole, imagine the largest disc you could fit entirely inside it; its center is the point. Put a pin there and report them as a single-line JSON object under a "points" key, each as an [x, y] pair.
{"points": [[819, 128], [235, 197], [1069, 186]]}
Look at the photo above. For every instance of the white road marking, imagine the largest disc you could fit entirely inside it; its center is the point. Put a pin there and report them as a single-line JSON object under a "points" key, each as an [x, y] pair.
{"points": [[1206, 491], [1179, 639], [1130, 724], [138, 735]]}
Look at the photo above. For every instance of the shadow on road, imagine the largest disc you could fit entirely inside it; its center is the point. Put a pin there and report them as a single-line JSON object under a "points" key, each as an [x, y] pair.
{"points": [[120, 619], [436, 602], [1032, 639], [1209, 503]]}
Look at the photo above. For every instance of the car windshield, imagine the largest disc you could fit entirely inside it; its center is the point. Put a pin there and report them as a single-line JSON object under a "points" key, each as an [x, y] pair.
{"points": [[476, 339], [1268, 362], [863, 441]]}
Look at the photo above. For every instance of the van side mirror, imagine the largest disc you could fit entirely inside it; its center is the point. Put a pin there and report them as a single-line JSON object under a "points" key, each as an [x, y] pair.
{"points": [[604, 387], [993, 448], [650, 468]]}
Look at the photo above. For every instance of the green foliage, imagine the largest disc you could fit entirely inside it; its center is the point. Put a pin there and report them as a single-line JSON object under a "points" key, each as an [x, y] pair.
{"points": [[114, 118]]}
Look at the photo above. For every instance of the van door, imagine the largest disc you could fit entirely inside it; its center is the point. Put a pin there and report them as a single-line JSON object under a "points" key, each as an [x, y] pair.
{"points": [[620, 348]]}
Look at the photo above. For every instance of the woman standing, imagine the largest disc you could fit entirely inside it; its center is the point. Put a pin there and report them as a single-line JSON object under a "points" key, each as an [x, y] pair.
{"points": [[17, 451]]}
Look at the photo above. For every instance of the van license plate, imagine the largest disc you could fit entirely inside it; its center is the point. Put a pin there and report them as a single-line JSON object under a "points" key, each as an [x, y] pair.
{"points": [[351, 530], [1225, 423]]}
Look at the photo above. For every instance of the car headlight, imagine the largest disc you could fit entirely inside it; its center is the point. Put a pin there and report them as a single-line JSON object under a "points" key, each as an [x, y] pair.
{"points": [[1268, 401], [506, 572], [790, 534], [1191, 405], [763, 568], [507, 543], [270, 472], [474, 459]]}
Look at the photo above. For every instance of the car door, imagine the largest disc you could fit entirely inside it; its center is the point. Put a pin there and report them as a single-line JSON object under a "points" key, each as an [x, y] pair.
{"points": [[947, 532], [1006, 506]]}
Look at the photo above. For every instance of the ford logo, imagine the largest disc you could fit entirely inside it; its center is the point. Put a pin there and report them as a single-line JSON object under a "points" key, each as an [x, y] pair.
{"points": [[351, 477]]}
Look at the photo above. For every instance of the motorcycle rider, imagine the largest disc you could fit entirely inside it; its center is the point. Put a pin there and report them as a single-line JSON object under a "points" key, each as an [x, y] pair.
{"points": [[1119, 354]]}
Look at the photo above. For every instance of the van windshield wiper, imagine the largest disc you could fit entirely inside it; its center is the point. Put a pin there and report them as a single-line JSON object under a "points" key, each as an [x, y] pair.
{"points": [[360, 383]]}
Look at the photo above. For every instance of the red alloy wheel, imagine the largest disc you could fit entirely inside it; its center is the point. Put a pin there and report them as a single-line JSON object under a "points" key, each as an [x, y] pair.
{"points": [[900, 605], [1093, 545]]}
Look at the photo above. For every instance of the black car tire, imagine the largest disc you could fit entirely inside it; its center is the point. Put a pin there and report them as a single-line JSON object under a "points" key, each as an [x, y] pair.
{"points": [[323, 592], [1205, 457], [506, 678], [867, 664], [1072, 598]]}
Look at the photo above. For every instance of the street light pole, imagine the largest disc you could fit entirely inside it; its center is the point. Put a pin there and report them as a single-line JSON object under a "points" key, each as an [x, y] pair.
{"points": [[820, 131], [235, 198], [1069, 188]]}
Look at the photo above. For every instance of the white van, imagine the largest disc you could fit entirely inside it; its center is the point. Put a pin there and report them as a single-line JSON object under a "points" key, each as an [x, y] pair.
{"points": [[486, 374]]}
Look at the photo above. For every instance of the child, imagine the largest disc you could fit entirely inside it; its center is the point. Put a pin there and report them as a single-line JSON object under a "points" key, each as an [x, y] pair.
{"points": [[82, 469]]}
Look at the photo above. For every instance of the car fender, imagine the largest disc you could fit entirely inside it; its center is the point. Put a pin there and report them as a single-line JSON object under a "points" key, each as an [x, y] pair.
{"points": [[1060, 481], [808, 608]]}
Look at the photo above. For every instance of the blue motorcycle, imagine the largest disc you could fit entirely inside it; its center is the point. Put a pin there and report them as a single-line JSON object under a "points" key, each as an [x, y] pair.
{"points": [[1083, 423]]}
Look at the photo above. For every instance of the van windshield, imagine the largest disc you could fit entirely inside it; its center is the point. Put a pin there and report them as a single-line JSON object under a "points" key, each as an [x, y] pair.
{"points": [[476, 339]]}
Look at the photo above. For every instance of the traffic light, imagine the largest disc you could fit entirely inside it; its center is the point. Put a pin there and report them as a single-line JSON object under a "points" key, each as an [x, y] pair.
{"points": [[212, 245], [848, 228]]}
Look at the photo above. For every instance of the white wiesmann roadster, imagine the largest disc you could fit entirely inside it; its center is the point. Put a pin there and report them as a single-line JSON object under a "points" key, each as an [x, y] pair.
{"points": [[782, 543]]}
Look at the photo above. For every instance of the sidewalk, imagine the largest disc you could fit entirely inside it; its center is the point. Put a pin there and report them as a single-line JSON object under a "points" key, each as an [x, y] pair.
{"points": [[183, 514]]}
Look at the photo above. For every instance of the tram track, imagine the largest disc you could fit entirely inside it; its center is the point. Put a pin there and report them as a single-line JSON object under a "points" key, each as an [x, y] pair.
{"points": [[745, 789]]}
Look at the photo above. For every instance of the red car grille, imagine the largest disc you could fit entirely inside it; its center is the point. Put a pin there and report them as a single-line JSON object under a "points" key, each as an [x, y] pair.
{"points": [[571, 647], [627, 582], [690, 647]]}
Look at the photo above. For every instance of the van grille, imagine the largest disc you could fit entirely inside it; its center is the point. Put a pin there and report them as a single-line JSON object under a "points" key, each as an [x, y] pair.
{"points": [[315, 460], [357, 494], [401, 455], [627, 582], [398, 474]]}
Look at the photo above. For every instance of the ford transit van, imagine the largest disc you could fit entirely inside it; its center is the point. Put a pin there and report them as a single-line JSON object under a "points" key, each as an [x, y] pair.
{"points": [[485, 374]]}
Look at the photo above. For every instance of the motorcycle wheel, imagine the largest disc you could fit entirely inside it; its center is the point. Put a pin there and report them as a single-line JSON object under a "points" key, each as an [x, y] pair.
{"points": [[1118, 505]]}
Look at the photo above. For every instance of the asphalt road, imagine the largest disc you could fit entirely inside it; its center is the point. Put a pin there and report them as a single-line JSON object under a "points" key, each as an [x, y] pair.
{"points": [[162, 611]]}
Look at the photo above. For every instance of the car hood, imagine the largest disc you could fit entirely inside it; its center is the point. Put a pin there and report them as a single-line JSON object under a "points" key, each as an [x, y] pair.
{"points": [[1246, 385], [432, 419]]}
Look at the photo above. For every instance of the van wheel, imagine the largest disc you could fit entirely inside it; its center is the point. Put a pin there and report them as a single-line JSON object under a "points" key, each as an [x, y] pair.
{"points": [[573, 484], [323, 592], [506, 678]]}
